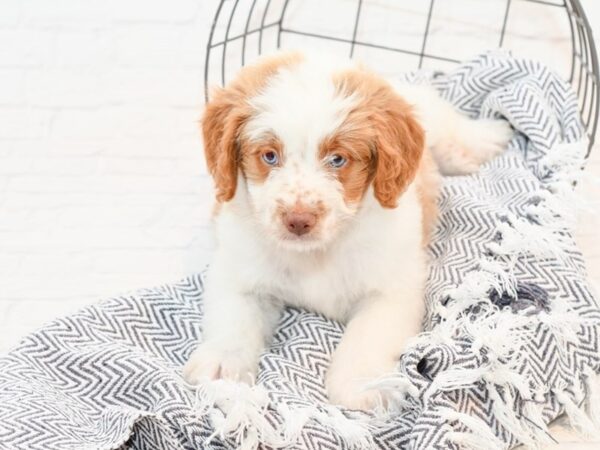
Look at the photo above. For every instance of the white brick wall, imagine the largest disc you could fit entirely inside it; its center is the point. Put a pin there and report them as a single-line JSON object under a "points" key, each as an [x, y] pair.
{"points": [[102, 181]]}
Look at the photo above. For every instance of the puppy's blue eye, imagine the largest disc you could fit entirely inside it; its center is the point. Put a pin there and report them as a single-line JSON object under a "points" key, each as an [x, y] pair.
{"points": [[270, 158], [337, 161]]}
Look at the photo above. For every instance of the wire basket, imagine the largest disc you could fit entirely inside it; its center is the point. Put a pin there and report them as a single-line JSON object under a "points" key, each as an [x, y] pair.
{"points": [[425, 34]]}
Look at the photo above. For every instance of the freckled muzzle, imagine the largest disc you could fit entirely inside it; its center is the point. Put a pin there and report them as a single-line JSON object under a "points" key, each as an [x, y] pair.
{"points": [[301, 220]]}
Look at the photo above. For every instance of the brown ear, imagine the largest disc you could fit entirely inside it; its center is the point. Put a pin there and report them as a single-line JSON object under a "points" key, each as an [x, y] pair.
{"points": [[399, 144], [223, 117]]}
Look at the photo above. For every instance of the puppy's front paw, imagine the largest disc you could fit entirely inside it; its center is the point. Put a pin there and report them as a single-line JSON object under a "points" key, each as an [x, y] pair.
{"points": [[352, 394], [347, 383], [210, 361]]}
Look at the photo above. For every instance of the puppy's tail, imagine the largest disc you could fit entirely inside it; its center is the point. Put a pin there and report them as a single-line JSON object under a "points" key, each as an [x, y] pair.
{"points": [[458, 144]]}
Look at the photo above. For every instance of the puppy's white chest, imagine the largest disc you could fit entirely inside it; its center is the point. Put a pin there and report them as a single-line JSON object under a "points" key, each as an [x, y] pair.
{"points": [[330, 289]]}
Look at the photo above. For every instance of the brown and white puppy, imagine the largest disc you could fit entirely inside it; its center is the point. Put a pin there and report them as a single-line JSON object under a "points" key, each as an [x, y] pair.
{"points": [[327, 185]]}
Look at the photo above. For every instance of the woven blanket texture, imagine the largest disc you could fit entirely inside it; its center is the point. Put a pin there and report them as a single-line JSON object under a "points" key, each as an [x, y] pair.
{"points": [[510, 340]]}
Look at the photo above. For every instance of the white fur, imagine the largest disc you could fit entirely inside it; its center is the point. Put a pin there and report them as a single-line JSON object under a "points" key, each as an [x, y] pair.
{"points": [[458, 144], [363, 266]]}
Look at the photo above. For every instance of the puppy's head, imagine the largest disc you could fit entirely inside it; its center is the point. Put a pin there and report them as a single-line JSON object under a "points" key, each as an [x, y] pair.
{"points": [[306, 141]]}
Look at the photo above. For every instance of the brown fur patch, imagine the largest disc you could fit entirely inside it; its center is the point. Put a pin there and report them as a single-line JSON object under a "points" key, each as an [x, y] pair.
{"points": [[357, 173], [253, 166], [384, 125], [225, 114]]}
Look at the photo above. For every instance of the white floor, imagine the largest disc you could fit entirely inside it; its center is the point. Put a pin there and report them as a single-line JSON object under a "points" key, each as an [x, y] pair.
{"points": [[103, 187]]}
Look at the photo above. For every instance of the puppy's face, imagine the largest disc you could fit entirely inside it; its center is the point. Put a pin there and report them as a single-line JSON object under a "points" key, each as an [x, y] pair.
{"points": [[309, 140]]}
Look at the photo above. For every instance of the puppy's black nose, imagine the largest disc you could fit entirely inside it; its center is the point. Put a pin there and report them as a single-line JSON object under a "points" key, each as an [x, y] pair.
{"points": [[300, 223]]}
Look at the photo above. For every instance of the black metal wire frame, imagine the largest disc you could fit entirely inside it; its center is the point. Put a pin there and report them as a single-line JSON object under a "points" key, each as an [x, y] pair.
{"points": [[584, 74]]}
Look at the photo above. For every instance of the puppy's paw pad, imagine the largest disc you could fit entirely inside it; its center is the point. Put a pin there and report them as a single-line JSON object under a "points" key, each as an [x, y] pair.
{"points": [[209, 362]]}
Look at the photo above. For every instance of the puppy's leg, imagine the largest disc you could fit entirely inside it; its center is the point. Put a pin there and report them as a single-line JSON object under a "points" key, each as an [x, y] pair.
{"points": [[236, 327], [466, 144], [371, 346], [459, 144]]}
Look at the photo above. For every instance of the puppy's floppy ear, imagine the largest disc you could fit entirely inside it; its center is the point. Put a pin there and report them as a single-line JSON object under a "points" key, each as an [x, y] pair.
{"points": [[400, 142], [221, 123]]}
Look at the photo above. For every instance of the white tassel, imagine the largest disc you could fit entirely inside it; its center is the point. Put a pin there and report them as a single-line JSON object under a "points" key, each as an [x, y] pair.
{"points": [[503, 273], [565, 158], [532, 413], [473, 288], [523, 238], [452, 379], [593, 396], [563, 324], [481, 436], [354, 432], [472, 441], [505, 414], [504, 375], [501, 332], [577, 417], [294, 421], [237, 412]]}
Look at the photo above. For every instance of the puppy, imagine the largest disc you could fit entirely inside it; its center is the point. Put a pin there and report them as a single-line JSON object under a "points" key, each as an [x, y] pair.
{"points": [[326, 180]]}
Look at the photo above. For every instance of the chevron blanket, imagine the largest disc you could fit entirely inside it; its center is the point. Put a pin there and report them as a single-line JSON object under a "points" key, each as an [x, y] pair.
{"points": [[510, 340]]}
